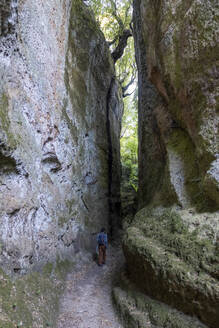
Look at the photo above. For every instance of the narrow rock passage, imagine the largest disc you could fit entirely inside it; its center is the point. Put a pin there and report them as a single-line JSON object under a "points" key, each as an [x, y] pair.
{"points": [[86, 302]]}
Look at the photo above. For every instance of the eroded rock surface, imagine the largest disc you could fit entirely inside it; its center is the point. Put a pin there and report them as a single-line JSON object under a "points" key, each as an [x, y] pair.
{"points": [[60, 114], [138, 310], [173, 257], [177, 59], [172, 245]]}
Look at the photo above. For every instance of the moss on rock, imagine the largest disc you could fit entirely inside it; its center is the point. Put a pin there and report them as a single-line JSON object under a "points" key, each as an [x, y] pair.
{"points": [[139, 310], [174, 262], [32, 300], [5, 121], [180, 46]]}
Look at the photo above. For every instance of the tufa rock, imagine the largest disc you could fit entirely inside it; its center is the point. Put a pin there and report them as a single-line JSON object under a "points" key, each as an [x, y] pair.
{"points": [[60, 117]]}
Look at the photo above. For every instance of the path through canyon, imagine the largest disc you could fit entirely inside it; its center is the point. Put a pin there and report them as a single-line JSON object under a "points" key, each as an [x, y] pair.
{"points": [[86, 302]]}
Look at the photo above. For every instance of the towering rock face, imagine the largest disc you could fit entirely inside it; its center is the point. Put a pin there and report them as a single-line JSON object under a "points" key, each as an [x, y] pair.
{"points": [[60, 114], [172, 245], [177, 46]]}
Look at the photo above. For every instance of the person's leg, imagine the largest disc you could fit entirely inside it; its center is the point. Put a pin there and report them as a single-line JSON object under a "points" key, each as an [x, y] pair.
{"points": [[100, 257], [104, 254]]}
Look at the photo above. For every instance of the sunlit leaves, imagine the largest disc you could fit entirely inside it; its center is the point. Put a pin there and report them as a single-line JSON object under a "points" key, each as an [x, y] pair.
{"points": [[129, 138], [114, 16]]}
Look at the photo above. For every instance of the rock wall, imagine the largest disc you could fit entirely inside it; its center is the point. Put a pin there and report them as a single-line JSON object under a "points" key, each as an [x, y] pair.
{"points": [[172, 245], [177, 61], [60, 116]]}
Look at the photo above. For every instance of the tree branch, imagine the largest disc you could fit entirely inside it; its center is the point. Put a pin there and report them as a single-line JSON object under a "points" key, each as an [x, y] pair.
{"points": [[122, 134], [114, 13], [127, 13], [125, 88], [110, 43], [131, 25], [122, 80], [118, 51], [128, 94]]}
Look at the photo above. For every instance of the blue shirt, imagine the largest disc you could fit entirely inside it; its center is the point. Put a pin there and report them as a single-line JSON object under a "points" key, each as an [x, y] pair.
{"points": [[103, 237]]}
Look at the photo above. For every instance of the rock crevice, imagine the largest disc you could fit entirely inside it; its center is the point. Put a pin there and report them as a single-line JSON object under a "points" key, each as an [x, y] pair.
{"points": [[54, 99], [172, 244]]}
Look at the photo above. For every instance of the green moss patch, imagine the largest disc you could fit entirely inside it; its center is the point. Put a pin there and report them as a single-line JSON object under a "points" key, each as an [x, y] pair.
{"points": [[138, 310], [174, 263], [33, 297], [5, 121], [174, 235]]}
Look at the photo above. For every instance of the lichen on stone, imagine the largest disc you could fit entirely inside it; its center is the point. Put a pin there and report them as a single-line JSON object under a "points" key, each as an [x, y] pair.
{"points": [[32, 300], [172, 260], [138, 310]]}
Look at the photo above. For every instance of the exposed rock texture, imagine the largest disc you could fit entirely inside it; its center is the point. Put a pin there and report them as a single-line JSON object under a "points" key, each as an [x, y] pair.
{"points": [[177, 49], [173, 257], [138, 310], [60, 115], [32, 300], [172, 245]]}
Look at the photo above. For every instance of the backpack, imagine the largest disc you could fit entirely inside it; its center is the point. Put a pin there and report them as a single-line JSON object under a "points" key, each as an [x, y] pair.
{"points": [[101, 239]]}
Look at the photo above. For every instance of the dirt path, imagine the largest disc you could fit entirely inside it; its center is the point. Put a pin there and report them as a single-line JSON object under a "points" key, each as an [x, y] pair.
{"points": [[86, 302]]}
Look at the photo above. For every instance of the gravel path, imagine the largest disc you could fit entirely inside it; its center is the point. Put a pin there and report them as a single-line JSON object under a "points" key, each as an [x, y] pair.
{"points": [[86, 302]]}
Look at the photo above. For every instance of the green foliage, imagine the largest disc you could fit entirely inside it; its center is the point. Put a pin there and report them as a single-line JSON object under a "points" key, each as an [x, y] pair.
{"points": [[114, 16], [129, 141]]}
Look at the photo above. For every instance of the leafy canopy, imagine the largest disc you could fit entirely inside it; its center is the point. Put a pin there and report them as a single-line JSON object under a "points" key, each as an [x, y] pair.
{"points": [[115, 17], [129, 140]]}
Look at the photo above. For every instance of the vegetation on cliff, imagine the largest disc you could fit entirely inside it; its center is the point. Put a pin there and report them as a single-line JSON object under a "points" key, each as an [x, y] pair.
{"points": [[115, 19], [172, 255]]}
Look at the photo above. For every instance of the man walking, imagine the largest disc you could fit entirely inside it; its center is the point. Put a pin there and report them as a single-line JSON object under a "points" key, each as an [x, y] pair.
{"points": [[102, 246]]}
